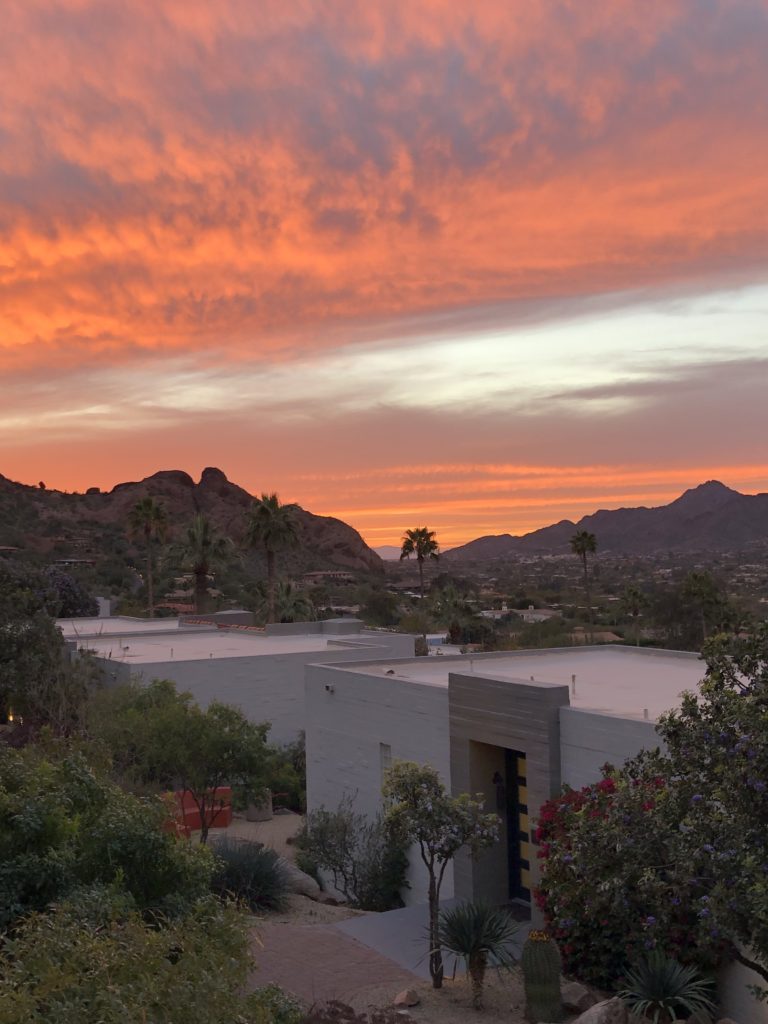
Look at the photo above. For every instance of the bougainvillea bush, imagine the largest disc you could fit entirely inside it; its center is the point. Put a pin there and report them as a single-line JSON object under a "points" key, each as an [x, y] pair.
{"points": [[615, 883]]}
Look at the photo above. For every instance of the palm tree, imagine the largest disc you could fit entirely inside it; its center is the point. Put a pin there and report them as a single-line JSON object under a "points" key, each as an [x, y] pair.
{"points": [[633, 601], [149, 520], [203, 550], [272, 526], [477, 932], [291, 605], [422, 543], [584, 543]]}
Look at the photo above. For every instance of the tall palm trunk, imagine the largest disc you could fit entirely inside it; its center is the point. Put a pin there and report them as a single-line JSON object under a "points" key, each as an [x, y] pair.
{"points": [[421, 575], [587, 588], [201, 591], [270, 585], [150, 580]]}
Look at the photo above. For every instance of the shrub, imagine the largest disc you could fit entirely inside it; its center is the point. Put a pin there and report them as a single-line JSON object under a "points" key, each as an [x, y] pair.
{"points": [[365, 858], [62, 827], [478, 932], [64, 967], [658, 988], [251, 873], [614, 883], [279, 1007]]}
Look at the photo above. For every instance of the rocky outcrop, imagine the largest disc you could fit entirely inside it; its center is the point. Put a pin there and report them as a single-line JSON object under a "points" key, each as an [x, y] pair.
{"points": [[326, 542]]}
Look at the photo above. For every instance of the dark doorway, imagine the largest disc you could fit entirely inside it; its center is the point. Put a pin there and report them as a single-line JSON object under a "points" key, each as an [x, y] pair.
{"points": [[518, 837]]}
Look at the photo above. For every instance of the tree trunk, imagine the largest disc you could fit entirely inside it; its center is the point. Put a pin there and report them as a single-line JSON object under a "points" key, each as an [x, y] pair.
{"points": [[201, 591], [435, 953], [421, 576], [270, 585], [150, 585], [477, 974], [589, 592]]}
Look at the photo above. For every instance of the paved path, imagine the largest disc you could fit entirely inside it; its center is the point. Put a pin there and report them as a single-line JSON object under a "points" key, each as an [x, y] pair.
{"points": [[317, 962]]}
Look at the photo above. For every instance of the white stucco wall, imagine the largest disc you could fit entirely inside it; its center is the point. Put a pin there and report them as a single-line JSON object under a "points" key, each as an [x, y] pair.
{"points": [[345, 730], [266, 688], [589, 739]]}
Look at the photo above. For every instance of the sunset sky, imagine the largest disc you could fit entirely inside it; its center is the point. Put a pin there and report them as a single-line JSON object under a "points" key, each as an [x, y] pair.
{"points": [[479, 266]]}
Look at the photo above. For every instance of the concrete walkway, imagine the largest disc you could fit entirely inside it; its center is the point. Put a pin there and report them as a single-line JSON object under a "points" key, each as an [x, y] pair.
{"points": [[402, 936], [318, 962]]}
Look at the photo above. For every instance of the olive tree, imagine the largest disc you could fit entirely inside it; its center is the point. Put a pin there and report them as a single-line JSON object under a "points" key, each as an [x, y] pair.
{"points": [[439, 825]]}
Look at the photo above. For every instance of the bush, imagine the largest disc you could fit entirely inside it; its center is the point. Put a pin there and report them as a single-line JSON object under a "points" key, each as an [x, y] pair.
{"points": [[478, 932], [614, 884], [63, 827], [64, 967], [251, 873], [366, 859], [279, 1007]]}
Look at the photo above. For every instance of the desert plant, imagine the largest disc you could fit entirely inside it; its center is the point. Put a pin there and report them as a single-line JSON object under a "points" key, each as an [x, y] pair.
{"points": [[659, 989], [365, 858], [278, 1007], [251, 873], [478, 932], [540, 963]]}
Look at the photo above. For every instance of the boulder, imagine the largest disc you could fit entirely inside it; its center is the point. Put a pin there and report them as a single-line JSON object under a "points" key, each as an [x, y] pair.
{"points": [[576, 997], [298, 881], [408, 997], [609, 1011]]}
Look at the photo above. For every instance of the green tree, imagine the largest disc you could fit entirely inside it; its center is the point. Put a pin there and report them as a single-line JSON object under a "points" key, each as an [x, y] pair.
{"points": [[203, 551], [478, 932], [148, 520], [39, 684], [422, 543], [160, 737], [273, 527], [707, 602], [289, 604], [584, 544], [633, 603], [420, 810]]}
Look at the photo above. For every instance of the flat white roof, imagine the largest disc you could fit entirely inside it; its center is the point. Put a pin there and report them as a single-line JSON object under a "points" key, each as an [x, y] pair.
{"points": [[620, 681], [196, 646], [113, 625]]}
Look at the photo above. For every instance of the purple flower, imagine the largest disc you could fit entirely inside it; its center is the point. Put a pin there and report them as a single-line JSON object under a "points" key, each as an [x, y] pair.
{"points": [[650, 919], [708, 848], [567, 859], [696, 798]]}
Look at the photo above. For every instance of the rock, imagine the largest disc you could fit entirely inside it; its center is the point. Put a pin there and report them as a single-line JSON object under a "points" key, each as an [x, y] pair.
{"points": [[408, 997], [298, 881], [576, 998], [609, 1011]]}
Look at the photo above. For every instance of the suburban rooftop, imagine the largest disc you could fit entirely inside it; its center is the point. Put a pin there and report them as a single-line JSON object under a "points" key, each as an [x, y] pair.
{"points": [[620, 681]]}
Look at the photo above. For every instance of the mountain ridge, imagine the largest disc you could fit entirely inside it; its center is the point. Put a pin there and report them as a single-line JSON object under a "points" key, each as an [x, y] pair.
{"points": [[710, 516], [30, 513]]}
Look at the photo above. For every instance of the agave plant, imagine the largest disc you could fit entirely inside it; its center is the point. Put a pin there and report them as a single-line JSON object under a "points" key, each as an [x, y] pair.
{"points": [[661, 989], [478, 932]]}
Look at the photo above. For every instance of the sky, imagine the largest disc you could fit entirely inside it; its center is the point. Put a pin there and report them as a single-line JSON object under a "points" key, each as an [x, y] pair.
{"points": [[479, 267]]}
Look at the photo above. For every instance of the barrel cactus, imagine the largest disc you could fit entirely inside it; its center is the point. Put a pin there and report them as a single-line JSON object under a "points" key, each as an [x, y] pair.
{"points": [[540, 964]]}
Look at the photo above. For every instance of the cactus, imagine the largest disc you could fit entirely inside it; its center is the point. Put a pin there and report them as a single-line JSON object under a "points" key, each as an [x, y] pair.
{"points": [[540, 963]]}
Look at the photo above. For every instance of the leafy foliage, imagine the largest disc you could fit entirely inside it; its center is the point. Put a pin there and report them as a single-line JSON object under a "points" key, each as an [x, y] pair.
{"points": [[63, 827], [478, 932], [365, 858], [160, 737], [249, 872], [422, 812], [615, 883], [272, 526], [659, 988], [67, 967]]}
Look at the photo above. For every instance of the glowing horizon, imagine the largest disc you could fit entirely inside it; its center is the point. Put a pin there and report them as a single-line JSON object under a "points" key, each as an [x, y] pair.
{"points": [[481, 268]]}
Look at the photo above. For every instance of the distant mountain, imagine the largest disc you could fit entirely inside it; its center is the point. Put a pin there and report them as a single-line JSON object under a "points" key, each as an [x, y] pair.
{"points": [[82, 524], [710, 517], [388, 552]]}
